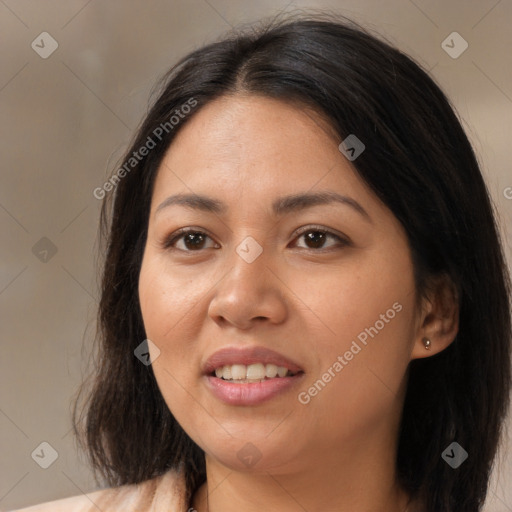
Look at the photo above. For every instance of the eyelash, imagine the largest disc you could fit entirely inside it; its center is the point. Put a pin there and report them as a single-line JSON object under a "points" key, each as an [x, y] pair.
{"points": [[180, 233]]}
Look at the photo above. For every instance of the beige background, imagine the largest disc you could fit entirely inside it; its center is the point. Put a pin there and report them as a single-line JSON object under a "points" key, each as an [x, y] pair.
{"points": [[65, 121]]}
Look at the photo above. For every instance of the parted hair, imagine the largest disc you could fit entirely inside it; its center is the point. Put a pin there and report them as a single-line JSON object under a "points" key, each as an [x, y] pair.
{"points": [[417, 160]]}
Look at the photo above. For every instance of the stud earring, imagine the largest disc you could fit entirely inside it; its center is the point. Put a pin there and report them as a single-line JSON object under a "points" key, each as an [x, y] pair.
{"points": [[427, 343]]}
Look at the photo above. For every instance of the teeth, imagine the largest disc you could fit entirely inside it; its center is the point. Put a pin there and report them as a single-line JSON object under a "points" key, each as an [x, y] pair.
{"points": [[253, 372], [270, 370], [226, 372], [281, 371], [238, 372]]}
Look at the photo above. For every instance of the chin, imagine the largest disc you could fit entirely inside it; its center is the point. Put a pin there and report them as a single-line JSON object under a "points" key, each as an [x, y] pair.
{"points": [[259, 455]]}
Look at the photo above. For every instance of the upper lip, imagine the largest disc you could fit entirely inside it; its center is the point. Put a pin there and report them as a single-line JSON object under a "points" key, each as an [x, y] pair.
{"points": [[236, 355]]}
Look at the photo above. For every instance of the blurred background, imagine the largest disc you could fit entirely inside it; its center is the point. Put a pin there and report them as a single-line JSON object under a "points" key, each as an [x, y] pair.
{"points": [[75, 81]]}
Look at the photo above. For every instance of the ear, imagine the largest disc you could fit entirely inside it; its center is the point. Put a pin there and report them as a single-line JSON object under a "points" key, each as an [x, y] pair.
{"points": [[439, 318]]}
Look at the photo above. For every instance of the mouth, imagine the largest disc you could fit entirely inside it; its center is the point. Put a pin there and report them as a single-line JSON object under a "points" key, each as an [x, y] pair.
{"points": [[250, 376]]}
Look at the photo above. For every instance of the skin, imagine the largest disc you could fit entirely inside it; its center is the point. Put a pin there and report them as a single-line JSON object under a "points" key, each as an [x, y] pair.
{"points": [[308, 302]]}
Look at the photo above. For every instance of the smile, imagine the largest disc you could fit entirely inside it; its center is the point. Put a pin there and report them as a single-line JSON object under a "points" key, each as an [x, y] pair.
{"points": [[256, 372]]}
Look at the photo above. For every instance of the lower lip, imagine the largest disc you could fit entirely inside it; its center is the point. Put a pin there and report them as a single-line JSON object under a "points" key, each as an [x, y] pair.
{"points": [[250, 393]]}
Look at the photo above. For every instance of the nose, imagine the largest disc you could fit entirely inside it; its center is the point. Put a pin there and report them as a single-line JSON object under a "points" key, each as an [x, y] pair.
{"points": [[249, 293]]}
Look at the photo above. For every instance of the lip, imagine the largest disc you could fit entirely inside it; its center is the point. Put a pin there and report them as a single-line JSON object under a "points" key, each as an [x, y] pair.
{"points": [[251, 393], [235, 355]]}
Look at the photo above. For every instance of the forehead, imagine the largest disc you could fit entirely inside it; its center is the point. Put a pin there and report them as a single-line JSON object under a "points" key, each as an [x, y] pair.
{"points": [[254, 142]]}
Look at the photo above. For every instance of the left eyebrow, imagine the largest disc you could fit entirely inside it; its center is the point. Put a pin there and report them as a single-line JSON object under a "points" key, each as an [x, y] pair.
{"points": [[281, 206], [295, 202]]}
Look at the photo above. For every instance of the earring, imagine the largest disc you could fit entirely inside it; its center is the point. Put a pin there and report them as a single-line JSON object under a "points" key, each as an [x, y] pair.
{"points": [[427, 343]]}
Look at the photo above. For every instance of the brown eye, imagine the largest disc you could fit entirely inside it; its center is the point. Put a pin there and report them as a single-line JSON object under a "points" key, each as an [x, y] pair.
{"points": [[315, 238], [192, 240]]}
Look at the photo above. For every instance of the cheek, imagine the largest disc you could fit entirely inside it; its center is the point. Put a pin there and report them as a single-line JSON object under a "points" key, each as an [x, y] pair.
{"points": [[166, 307], [364, 293], [169, 299], [368, 313], [164, 315]]}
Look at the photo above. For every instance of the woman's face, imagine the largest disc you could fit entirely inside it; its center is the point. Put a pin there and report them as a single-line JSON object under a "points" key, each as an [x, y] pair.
{"points": [[261, 283]]}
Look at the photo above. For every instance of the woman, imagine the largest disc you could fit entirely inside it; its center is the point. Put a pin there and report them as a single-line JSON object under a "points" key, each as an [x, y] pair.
{"points": [[305, 304]]}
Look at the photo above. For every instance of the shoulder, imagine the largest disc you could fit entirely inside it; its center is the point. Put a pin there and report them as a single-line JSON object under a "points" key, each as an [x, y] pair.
{"points": [[162, 493]]}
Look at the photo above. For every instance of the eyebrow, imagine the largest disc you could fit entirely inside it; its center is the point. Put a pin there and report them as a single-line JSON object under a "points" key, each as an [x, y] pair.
{"points": [[281, 206]]}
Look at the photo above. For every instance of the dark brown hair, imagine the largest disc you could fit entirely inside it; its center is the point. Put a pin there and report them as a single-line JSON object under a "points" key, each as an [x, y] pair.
{"points": [[417, 160]]}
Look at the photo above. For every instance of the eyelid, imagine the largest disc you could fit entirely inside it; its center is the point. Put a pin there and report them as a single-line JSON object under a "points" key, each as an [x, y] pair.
{"points": [[318, 227]]}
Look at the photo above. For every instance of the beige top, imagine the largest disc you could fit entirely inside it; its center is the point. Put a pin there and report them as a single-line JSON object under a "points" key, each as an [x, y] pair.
{"points": [[164, 493]]}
